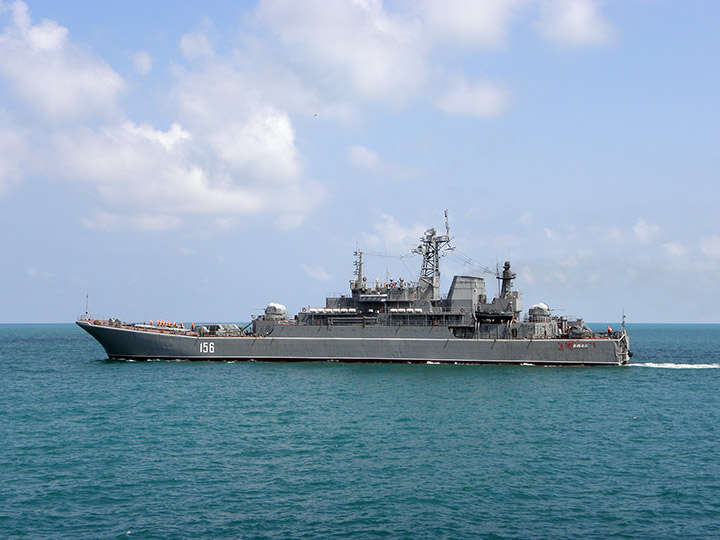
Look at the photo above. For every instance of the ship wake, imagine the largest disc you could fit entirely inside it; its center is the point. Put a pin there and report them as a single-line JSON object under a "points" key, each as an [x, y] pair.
{"points": [[672, 365]]}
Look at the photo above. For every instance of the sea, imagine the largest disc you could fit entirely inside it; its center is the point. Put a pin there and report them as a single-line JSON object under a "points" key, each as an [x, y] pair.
{"points": [[96, 449]]}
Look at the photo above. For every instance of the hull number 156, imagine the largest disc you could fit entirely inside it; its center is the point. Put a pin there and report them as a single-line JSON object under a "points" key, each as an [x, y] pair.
{"points": [[207, 347]]}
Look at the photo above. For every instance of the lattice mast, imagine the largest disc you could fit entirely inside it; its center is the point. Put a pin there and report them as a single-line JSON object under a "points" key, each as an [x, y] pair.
{"points": [[358, 272], [432, 247]]}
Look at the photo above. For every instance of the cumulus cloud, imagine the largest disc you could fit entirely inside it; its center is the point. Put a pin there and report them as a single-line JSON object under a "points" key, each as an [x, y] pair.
{"points": [[351, 46], [368, 50], [152, 179], [239, 131], [479, 98], [53, 76], [574, 23], [142, 62], [232, 87], [231, 152], [134, 166], [478, 22], [645, 231], [231, 146], [263, 145], [197, 45]]}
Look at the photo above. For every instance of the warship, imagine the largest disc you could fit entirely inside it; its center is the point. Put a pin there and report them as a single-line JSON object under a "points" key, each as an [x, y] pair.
{"points": [[389, 321]]}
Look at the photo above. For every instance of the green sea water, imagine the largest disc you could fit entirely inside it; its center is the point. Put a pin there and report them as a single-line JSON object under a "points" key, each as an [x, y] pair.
{"points": [[91, 448]]}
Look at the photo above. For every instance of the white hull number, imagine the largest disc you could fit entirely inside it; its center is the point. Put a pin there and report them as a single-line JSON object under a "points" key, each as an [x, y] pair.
{"points": [[207, 347]]}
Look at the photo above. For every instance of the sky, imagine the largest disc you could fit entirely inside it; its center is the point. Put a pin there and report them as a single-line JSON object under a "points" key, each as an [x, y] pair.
{"points": [[195, 161]]}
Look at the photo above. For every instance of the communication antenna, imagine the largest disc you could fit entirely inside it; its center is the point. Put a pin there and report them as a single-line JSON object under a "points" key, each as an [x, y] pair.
{"points": [[87, 306], [447, 224]]}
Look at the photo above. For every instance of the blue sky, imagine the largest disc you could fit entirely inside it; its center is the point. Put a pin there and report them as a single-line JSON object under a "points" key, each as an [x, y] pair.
{"points": [[198, 160]]}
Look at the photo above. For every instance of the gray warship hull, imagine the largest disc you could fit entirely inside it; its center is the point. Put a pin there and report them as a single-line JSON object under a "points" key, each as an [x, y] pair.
{"points": [[355, 344]]}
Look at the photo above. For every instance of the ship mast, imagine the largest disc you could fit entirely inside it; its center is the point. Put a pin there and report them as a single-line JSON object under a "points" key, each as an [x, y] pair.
{"points": [[507, 279], [358, 269], [432, 247]]}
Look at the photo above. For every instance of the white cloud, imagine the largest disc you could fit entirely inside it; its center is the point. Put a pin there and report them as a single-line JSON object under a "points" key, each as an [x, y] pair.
{"points": [[645, 231], [136, 168], [232, 89], [167, 139], [475, 22], [574, 23], [142, 62], [361, 156], [317, 272], [153, 180], [54, 77], [231, 146], [231, 151], [264, 145], [480, 98], [197, 45], [711, 246], [390, 234], [234, 154], [351, 46], [674, 249], [234, 109]]}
